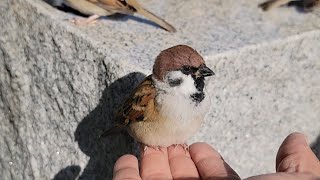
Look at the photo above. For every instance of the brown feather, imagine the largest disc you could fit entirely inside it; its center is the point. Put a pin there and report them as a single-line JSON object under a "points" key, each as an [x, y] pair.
{"points": [[88, 7], [134, 108], [116, 6]]}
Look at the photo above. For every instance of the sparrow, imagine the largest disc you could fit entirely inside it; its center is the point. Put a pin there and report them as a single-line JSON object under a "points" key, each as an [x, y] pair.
{"points": [[306, 5], [97, 8], [169, 105]]}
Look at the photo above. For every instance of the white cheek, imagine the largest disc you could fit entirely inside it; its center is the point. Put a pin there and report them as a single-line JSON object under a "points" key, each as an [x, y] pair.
{"points": [[187, 86]]}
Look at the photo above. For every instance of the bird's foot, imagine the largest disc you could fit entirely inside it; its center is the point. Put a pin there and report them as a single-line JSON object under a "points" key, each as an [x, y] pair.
{"points": [[185, 146], [85, 21], [145, 149]]}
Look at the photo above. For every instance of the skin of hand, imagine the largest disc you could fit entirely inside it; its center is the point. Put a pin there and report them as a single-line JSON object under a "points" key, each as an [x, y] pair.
{"points": [[295, 160]]}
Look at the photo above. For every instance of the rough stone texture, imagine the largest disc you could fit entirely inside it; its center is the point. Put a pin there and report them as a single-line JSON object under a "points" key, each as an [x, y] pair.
{"points": [[263, 94], [60, 84]]}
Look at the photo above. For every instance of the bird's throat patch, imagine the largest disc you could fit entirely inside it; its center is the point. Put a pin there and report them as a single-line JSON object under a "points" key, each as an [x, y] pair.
{"points": [[199, 83]]}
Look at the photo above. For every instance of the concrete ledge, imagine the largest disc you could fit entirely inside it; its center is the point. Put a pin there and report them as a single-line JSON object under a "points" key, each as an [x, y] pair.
{"points": [[60, 84]]}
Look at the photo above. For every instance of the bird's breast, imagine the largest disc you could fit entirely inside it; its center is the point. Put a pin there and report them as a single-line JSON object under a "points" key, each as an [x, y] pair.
{"points": [[176, 120]]}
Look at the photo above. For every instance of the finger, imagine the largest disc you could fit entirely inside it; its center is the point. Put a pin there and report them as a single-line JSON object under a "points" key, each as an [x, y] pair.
{"points": [[181, 164], [295, 155], [155, 164], [209, 162], [126, 167]]}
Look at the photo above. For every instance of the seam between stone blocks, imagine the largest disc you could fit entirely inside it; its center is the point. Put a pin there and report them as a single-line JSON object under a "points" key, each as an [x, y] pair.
{"points": [[271, 43]]}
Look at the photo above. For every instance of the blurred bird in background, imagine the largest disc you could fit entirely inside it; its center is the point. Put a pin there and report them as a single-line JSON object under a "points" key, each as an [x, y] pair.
{"points": [[97, 8], [305, 5]]}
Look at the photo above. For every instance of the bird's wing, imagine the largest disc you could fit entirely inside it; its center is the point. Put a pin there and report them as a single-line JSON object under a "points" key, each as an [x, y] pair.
{"points": [[152, 17], [115, 6], [130, 7], [135, 107], [88, 7]]}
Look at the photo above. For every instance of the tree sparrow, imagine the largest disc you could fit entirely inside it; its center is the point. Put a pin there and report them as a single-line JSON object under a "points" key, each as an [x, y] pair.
{"points": [[168, 106], [307, 5], [97, 8]]}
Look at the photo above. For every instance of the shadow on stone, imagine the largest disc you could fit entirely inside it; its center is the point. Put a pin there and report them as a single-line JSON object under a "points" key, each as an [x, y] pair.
{"points": [[68, 173], [315, 146], [104, 152]]}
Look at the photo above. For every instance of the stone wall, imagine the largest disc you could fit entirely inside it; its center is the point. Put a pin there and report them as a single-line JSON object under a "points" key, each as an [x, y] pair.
{"points": [[60, 84]]}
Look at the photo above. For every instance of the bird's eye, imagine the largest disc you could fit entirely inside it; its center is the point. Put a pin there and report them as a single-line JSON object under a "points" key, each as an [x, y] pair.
{"points": [[174, 82], [186, 70]]}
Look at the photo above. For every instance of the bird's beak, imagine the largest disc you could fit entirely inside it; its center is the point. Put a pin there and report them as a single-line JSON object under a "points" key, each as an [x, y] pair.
{"points": [[204, 71]]}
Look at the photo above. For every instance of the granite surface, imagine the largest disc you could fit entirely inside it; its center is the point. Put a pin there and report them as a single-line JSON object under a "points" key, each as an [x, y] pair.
{"points": [[60, 84]]}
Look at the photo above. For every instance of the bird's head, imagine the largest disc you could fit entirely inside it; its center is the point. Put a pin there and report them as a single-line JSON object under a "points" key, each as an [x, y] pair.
{"points": [[182, 69]]}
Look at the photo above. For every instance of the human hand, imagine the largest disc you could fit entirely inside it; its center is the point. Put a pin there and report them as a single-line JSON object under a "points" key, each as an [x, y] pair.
{"points": [[295, 160]]}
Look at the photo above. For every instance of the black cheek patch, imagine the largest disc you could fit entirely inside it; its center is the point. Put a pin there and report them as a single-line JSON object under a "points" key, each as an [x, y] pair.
{"points": [[174, 82]]}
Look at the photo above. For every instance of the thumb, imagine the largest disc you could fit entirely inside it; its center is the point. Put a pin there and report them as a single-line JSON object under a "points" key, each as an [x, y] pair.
{"points": [[295, 155]]}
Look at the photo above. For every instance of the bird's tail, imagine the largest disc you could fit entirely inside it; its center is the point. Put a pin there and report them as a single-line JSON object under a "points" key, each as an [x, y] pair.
{"points": [[273, 4], [140, 10], [114, 130], [156, 19]]}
